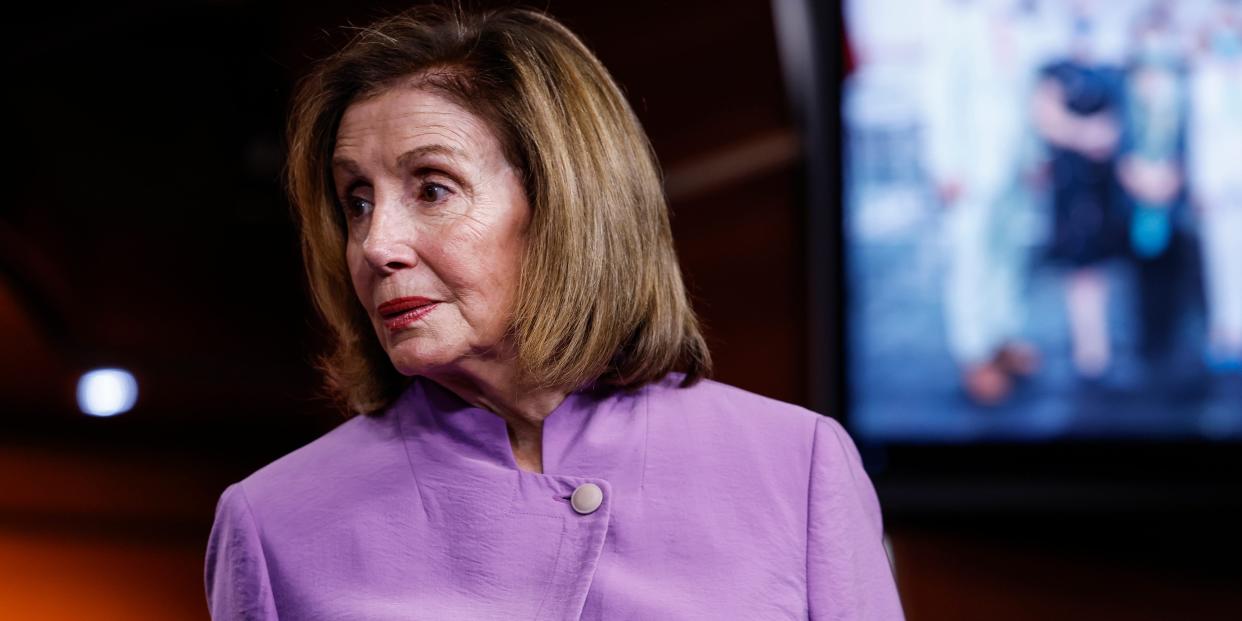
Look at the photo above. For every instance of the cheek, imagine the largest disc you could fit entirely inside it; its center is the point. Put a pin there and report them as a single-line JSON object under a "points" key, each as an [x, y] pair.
{"points": [[484, 270], [358, 272], [507, 263], [472, 269], [510, 249]]}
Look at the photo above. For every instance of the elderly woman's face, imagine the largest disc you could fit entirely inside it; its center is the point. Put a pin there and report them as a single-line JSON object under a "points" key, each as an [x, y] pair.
{"points": [[437, 218]]}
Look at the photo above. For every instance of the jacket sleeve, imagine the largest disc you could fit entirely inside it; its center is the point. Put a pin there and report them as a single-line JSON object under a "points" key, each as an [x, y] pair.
{"points": [[238, 586], [848, 572]]}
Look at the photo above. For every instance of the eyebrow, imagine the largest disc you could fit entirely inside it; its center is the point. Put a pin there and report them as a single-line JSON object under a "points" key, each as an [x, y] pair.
{"points": [[404, 159]]}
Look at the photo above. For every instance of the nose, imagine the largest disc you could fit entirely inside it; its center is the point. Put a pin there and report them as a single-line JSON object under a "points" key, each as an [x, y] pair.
{"points": [[389, 243]]}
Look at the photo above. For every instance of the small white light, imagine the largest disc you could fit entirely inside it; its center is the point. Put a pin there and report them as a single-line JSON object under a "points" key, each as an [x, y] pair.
{"points": [[106, 392]]}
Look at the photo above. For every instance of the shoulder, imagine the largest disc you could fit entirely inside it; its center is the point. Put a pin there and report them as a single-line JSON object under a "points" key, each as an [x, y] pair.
{"points": [[712, 402], [732, 424], [326, 471], [784, 455]]}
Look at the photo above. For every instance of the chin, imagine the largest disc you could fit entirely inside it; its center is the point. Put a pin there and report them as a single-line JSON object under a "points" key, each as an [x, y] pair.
{"points": [[417, 356]]}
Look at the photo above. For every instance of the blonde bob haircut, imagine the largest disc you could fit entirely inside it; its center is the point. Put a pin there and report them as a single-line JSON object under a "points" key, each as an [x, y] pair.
{"points": [[600, 300]]}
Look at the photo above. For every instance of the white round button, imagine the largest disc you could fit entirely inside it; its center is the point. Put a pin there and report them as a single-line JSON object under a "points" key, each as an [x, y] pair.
{"points": [[587, 498]]}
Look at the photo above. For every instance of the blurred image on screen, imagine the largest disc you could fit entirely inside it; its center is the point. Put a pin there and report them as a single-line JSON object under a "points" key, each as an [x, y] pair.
{"points": [[1043, 219]]}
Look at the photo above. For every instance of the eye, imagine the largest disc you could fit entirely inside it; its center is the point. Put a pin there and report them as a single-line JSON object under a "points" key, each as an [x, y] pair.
{"points": [[433, 192], [355, 207]]}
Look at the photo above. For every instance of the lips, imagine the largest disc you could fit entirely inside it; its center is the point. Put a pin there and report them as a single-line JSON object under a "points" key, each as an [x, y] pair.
{"points": [[395, 307], [402, 312]]}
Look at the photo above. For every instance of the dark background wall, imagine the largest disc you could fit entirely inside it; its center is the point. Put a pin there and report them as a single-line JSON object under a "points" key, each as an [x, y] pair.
{"points": [[145, 227]]}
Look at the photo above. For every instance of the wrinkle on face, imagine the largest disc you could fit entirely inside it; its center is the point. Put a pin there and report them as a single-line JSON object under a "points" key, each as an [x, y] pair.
{"points": [[465, 250]]}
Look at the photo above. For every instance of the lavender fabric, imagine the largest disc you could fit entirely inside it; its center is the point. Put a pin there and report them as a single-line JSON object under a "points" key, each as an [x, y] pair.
{"points": [[718, 504]]}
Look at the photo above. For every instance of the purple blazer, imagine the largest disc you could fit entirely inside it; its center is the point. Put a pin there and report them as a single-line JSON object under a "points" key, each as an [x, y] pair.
{"points": [[717, 504]]}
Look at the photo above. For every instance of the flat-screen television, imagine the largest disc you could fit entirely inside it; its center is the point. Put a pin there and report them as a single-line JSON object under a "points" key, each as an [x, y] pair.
{"points": [[1024, 224]]}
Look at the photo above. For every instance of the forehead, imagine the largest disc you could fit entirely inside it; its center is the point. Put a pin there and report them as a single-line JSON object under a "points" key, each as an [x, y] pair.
{"points": [[408, 117]]}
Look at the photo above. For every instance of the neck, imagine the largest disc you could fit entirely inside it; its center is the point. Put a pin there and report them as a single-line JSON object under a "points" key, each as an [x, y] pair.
{"points": [[496, 386]]}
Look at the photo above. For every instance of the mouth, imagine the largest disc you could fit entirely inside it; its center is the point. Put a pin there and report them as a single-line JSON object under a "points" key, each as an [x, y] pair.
{"points": [[401, 312]]}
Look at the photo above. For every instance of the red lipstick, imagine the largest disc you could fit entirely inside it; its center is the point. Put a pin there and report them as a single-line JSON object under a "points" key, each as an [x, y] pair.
{"points": [[401, 312]]}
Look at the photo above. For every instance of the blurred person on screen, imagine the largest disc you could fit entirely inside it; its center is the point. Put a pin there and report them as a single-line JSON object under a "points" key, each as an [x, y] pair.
{"points": [[1076, 111], [1215, 171], [1150, 169], [1150, 163], [977, 75]]}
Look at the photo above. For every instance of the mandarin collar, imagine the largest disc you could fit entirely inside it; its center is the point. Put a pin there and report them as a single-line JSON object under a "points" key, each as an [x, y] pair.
{"points": [[593, 432]]}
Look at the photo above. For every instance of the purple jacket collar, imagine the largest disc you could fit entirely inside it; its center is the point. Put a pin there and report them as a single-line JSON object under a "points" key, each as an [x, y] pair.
{"points": [[462, 452]]}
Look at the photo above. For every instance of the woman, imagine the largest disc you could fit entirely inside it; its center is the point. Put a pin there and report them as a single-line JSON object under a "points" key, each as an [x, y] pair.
{"points": [[485, 231], [1154, 107], [1075, 110], [1216, 180], [975, 78]]}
